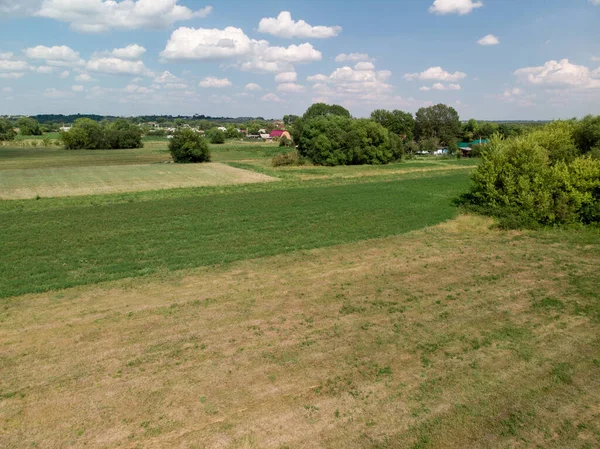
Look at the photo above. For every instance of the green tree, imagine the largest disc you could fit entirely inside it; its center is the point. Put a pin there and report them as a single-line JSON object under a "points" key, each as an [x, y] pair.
{"points": [[587, 134], [289, 120], [6, 131], [187, 146], [232, 133], [216, 136], [398, 122], [439, 121], [324, 110], [29, 127]]}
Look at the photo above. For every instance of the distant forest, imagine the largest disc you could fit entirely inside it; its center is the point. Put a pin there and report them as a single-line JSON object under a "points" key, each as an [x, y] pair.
{"points": [[60, 118]]}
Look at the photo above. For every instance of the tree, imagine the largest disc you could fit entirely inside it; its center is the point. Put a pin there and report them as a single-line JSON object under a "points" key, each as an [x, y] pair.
{"points": [[187, 146], [439, 121], [6, 131], [90, 135], [232, 133], [29, 127], [587, 134], [216, 136], [324, 110], [398, 122], [429, 144], [289, 120]]}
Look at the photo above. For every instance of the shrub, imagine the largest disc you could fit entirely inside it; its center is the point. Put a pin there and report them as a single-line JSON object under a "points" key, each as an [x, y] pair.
{"points": [[338, 140], [6, 131], [187, 146], [518, 182], [216, 136], [29, 127], [287, 159]]}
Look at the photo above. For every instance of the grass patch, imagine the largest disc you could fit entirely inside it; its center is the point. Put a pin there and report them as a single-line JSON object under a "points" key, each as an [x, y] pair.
{"points": [[80, 245]]}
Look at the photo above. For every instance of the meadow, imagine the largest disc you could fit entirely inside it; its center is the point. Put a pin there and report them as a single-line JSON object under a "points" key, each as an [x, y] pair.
{"points": [[345, 307]]}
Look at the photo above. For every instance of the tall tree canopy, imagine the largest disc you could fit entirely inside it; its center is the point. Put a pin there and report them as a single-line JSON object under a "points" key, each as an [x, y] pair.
{"points": [[398, 122], [438, 121]]}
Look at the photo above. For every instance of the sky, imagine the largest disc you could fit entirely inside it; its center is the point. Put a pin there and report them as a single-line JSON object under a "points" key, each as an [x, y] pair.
{"points": [[489, 59]]}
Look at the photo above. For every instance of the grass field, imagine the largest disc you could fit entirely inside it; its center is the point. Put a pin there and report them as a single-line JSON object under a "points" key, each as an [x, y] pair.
{"points": [[73, 181], [346, 307]]}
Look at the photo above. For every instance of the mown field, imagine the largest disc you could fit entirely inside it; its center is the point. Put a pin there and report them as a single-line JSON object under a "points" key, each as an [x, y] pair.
{"points": [[347, 307]]}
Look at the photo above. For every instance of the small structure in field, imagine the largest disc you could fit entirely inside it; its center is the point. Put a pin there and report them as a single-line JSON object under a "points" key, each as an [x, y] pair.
{"points": [[266, 137]]}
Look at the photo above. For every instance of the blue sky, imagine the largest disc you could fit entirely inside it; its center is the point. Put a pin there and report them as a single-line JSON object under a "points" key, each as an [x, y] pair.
{"points": [[490, 59]]}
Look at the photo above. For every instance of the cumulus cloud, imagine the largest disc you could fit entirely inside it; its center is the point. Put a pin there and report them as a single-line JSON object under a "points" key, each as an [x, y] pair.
{"points": [[13, 66], [60, 55], [284, 26], [351, 84], [286, 77], [441, 86], [271, 98], [132, 51], [561, 74], [55, 93], [77, 88], [517, 96], [436, 74], [232, 44], [65, 74], [84, 77], [364, 66], [290, 88], [461, 7], [166, 77], [212, 82], [22, 7], [253, 87], [117, 66], [353, 57], [11, 75], [95, 16], [176, 86], [6, 55], [595, 2], [490, 39]]}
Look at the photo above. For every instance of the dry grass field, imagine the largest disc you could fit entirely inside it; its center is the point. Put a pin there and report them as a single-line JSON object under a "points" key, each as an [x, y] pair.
{"points": [[94, 180], [450, 337]]}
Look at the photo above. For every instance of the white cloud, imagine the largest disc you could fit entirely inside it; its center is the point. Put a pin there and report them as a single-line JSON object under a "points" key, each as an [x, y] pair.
{"points": [[56, 56], [291, 88], [517, 96], [7, 90], [441, 86], [253, 87], [77, 88], [233, 44], [44, 69], [364, 66], [490, 39], [84, 77], [132, 51], [135, 89], [12, 75], [352, 57], [166, 77], [176, 86], [94, 16], [6, 55], [271, 98], [116, 66], [595, 2], [454, 6], [560, 74], [55, 93], [13, 66], [437, 74], [348, 84], [65, 74], [284, 26], [286, 77], [212, 82], [22, 7], [596, 58]]}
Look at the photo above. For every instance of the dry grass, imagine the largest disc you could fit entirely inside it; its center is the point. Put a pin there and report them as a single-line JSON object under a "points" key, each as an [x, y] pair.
{"points": [[94, 180], [455, 336]]}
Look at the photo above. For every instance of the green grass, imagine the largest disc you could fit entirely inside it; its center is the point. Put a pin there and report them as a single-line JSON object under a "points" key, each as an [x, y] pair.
{"points": [[48, 135], [75, 245]]}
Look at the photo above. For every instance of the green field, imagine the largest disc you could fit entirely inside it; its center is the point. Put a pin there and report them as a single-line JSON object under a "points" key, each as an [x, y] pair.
{"points": [[341, 307]]}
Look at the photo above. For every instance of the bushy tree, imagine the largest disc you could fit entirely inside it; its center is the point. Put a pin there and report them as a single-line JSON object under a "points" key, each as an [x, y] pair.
{"points": [[216, 136], [398, 122], [429, 144], [187, 146], [91, 135], [587, 134], [29, 127], [6, 131], [339, 140], [439, 121], [324, 110], [232, 133], [518, 182]]}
